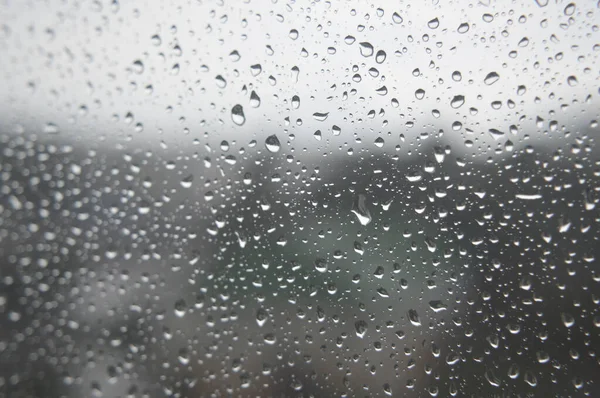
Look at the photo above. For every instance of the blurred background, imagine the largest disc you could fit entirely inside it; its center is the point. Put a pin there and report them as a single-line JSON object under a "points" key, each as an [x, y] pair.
{"points": [[293, 199]]}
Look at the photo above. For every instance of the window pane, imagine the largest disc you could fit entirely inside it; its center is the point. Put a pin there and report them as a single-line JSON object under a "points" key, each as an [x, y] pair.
{"points": [[326, 199]]}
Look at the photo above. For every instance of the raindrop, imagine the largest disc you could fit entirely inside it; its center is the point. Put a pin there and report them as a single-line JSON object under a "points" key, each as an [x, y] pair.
{"points": [[255, 69], [221, 83], [434, 23], [397, 18], [496, 134], [295, 102], [437, 305], [492, 378], [138, 67], [321, 265], [491, 78], [570, 9], [463, 28], [420, 94], [457, 101], [413, 317], [361, 328], [187, 181], [237, 115], [359, 208], [321, 117], [254, 99], [572, 81], [272, 144], [366, 49], [380, 56]]}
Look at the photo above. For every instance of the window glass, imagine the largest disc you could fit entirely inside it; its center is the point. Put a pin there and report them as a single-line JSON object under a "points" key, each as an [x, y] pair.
{"points": [[299, 199]]}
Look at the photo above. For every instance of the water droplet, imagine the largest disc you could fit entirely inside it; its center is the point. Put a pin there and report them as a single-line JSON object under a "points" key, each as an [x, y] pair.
{"points": [[437, 305], [295, 102], [570, 9], [496, 134], [321, 265], [254, 99], [542, 3], [359, 208], [138, 67], [434, 23], [382, 90], [420, 94], [524, 42], [456, 76], [457, 101], [387, 389], [413, 317], [397, 18], [321, 117], [187, 181], [221, 83], [380, 56], [366, 49], [261, 317], [492, 378], [567, 319], [237, 115], [463, 28], [491, 78], [272, 144], [255, 69], [361, 328], [572, 81], [294, 34]]}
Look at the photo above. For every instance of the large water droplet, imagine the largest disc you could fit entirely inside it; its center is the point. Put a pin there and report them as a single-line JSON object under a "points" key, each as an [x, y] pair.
{"points": [[361, 328], [457, 101], [397, 18], [237, 115], [321, 117], [413, 317], [434, 23], [359, 208], [491, 78], [272, 144], [366, 49]]}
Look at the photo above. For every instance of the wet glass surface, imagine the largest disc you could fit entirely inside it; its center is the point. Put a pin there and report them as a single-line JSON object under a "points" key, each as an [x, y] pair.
{"points": [[288, 199]]}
